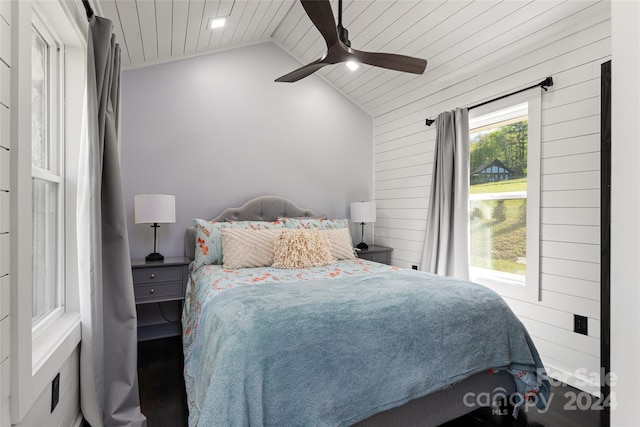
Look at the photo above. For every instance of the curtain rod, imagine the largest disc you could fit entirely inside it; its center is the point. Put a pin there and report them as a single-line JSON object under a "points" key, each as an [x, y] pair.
{"points": [[88, 8], [545, 84]]}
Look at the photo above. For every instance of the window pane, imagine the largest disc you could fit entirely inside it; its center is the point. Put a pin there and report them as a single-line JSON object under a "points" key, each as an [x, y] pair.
{"points": [[498, 164], [499, 153], [499, 235], [45, 248], [39, 143]]}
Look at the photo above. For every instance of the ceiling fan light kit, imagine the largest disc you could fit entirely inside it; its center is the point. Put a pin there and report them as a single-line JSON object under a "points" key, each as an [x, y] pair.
{"points": [[339, 46], [353, 65]]}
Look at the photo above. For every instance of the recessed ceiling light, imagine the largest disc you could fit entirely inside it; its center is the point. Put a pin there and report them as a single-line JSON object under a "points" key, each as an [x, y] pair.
{"points": [[352, 65], [216, 23]]}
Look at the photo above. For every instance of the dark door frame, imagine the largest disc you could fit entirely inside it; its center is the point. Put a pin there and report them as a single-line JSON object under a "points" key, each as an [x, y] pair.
{"points": [[605, 236]]}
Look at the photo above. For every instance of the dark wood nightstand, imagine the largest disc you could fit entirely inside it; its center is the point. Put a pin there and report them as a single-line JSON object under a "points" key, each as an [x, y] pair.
{"points": [[156, 282], [381, 254]]}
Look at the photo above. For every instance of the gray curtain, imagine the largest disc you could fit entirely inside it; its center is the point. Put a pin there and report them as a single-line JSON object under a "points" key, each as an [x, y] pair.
{"points": [[446, 246], [108, 351]]}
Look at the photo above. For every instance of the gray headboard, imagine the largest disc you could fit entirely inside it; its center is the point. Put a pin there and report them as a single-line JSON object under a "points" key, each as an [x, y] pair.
{"points": [[263, 208]]}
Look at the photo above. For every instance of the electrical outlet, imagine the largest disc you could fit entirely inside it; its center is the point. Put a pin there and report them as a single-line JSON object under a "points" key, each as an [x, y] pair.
{"points": [[414, 267], [55, 392], [580, 324]]}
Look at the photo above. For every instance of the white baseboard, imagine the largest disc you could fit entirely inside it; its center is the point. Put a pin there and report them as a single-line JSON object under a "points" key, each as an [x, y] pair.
{"points": [[574, 379]]}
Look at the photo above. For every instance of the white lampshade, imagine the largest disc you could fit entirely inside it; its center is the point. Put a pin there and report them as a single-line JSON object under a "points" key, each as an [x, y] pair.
{"points": [[154, 208], [363, 212]]}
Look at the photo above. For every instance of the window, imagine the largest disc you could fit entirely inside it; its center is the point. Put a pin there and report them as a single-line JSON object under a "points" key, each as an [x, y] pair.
{"points": [[47, 76], [47, 176], [504, 197]]}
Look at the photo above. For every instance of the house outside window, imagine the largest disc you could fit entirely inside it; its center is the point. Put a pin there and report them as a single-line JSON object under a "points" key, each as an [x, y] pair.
{"points": [[493, 171], [504, 197]]}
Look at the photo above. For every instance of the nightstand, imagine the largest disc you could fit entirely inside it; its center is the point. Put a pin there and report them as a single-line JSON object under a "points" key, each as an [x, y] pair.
{"points": [[157, 282], [381, 254]]}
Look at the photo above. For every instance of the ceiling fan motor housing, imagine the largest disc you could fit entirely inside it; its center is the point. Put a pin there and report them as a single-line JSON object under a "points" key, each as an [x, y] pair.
{"points": [[344, 35]]}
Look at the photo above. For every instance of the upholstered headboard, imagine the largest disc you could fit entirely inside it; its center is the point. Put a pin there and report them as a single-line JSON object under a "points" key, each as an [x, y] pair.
{"points": [[263, 208]]}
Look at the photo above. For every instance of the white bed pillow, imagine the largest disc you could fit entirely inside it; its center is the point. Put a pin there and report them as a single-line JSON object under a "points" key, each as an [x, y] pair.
{"points": [[246, 248], [341, 244], [208, 248]]}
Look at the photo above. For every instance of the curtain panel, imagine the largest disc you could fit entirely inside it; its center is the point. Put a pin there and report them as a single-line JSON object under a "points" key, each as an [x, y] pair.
{"points": [[446, 246], [108, 351]]}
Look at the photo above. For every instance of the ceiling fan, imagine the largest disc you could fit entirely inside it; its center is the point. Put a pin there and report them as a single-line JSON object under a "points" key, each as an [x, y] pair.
{"points": [[339, 47]]}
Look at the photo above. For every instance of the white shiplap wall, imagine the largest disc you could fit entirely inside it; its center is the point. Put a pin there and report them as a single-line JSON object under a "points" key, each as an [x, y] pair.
{"points": [[5, 146], [570, 183]]}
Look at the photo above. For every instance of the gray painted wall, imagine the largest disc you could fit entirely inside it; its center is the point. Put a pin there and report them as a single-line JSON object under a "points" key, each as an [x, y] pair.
{"points": [[216, 131]]}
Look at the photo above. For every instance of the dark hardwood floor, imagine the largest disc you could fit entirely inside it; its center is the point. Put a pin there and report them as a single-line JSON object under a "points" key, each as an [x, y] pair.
{"points": [[163, 398]]}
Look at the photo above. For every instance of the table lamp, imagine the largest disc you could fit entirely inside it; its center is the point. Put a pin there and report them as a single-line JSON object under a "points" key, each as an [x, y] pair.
{"points": [[154, 209], [363, 212]]}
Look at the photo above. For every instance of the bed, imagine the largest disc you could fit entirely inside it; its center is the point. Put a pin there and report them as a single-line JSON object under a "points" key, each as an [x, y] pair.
{"points": [[351, 342]]}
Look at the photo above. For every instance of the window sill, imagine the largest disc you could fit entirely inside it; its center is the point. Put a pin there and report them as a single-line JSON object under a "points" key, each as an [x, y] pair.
{"points": [[52, 348], [506, 285]]}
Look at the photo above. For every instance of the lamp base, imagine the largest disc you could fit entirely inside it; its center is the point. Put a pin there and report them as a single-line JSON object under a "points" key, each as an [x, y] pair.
{"points": [[154, 257], [362, 246]]}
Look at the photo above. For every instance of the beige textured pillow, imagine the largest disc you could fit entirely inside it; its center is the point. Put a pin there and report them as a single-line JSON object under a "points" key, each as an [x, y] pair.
{"points": [[247, 248], [302, 249], [341, 245]]}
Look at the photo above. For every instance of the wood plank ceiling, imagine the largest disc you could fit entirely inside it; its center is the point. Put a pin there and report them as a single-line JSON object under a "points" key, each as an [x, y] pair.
{"points": [[459, 38]]}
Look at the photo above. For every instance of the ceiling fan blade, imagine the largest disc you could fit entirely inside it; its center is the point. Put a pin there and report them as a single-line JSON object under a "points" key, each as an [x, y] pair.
{"points": [[391, 61], [302, 72], [321, 15]]}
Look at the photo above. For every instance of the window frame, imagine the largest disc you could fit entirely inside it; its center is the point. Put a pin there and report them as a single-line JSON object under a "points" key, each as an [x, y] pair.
{"points": [[507, 284], [55, 172]]}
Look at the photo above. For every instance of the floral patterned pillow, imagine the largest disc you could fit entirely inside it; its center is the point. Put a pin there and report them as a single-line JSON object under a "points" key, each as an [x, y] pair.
{"points": [[209, 238], [314, 223]]}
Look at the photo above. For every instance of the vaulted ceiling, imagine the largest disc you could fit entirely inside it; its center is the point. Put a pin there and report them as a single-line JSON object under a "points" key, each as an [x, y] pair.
{"points": [[458, 38]]}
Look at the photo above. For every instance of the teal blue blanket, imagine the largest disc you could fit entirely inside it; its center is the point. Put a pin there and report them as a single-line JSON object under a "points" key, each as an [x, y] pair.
{"points": [[331, 353]]}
